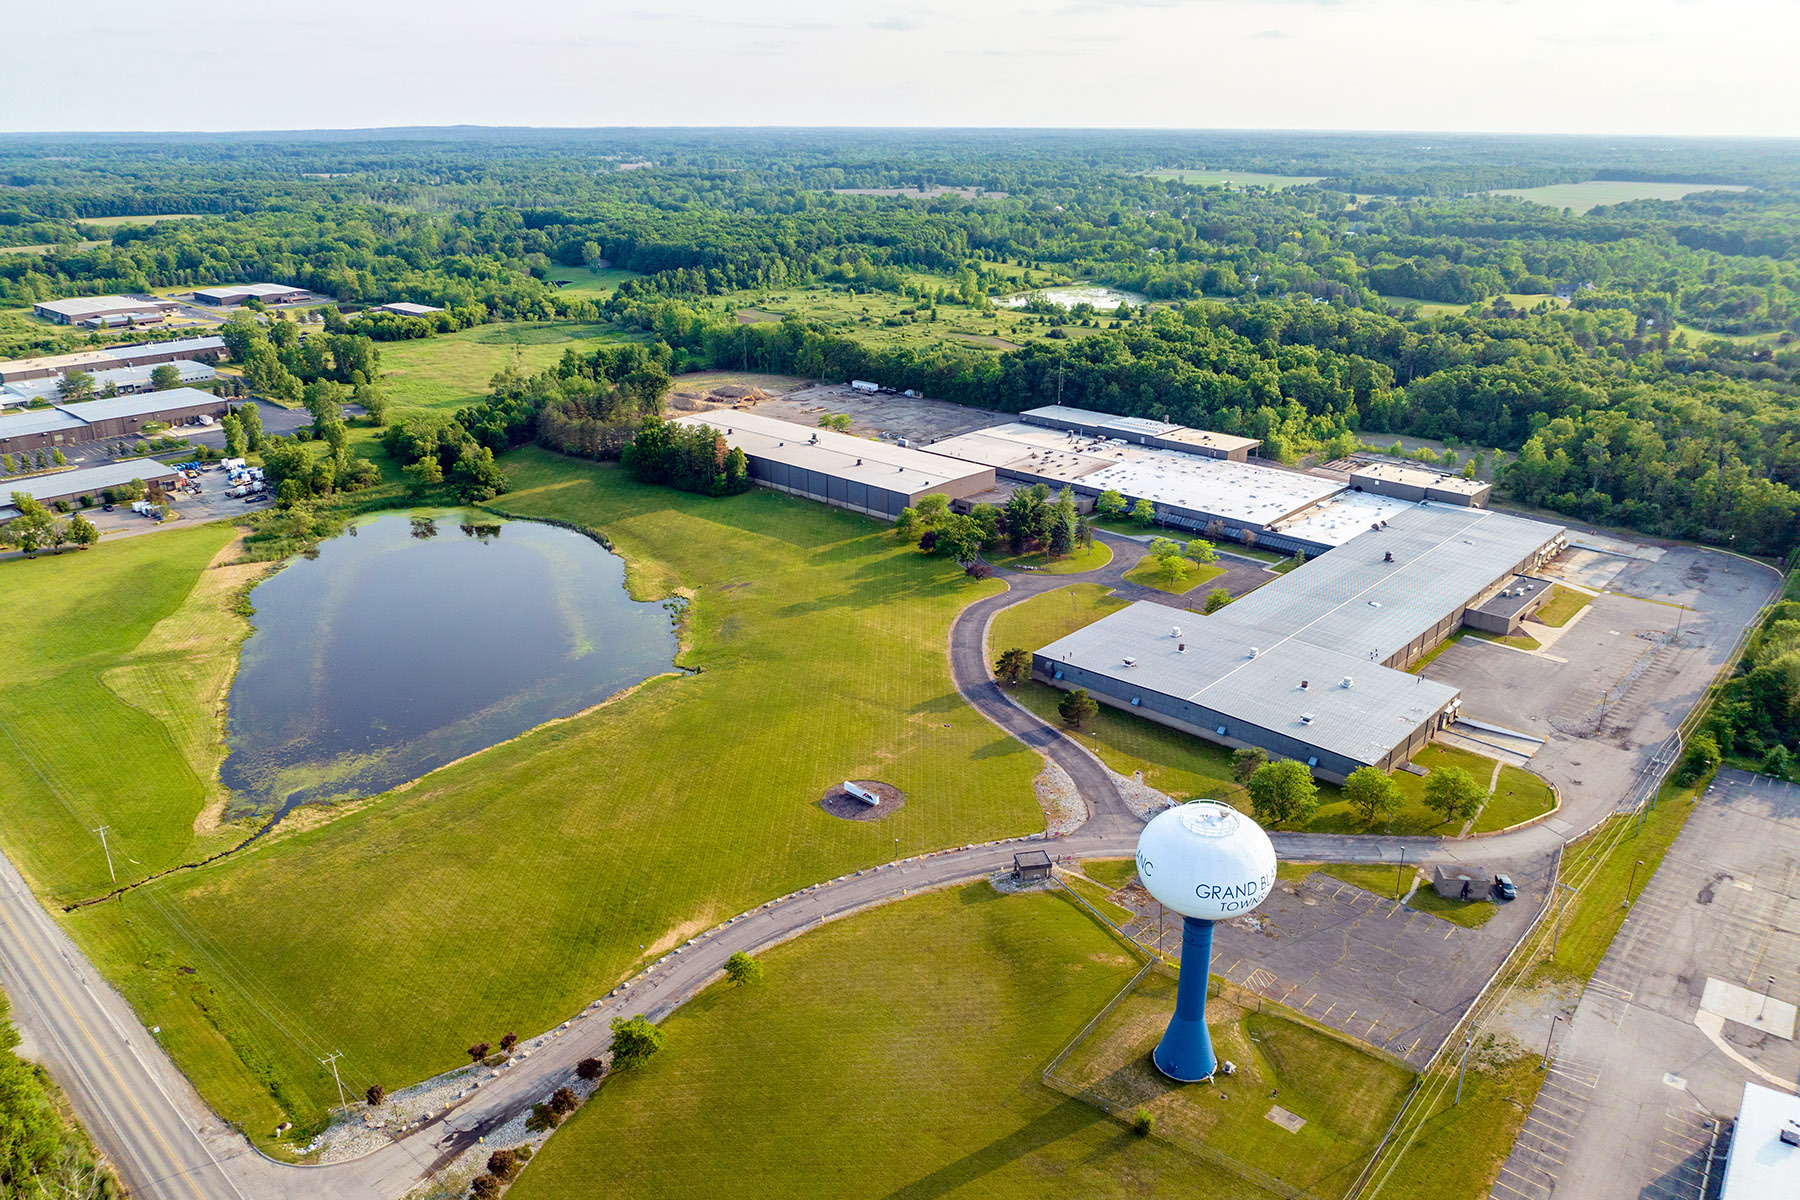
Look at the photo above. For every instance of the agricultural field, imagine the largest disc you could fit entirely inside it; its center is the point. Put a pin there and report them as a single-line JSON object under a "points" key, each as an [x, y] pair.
{"points": [[814, 653], [453, 370], [1589, 195], [1239, 179], [954, 1002]]}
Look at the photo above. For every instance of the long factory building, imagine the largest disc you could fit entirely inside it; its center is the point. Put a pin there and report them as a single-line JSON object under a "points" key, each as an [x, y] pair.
{"points": [[1310, 666], [107, 358], [91, 420]]}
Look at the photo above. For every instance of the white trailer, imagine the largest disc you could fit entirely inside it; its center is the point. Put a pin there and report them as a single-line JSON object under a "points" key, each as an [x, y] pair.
{"points": [[863, 385], [861, 793]]}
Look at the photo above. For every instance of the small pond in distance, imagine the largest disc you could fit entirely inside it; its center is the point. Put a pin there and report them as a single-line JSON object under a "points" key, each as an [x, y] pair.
{"points": [[1103, 298], [416, 639]]}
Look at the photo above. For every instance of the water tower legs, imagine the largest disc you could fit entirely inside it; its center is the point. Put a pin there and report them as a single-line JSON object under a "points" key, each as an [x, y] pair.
{"points": [[1185, 1052]]}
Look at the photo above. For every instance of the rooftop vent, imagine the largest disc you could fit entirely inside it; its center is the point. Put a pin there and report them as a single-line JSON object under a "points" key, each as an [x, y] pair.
{"points": [[1388, 557], [859, 462], [1254, 652], [1130, 662], [1345, 682], [1304, 685], [1175, 632], [1374, 604], [1181, 648], [1306, 718], [1790, 1133]]}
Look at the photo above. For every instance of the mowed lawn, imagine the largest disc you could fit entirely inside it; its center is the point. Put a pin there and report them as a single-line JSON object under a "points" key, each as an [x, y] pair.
{"points": [[894, 1054], [79, 709], [453, 370], [506, 891], [1593, 193]]}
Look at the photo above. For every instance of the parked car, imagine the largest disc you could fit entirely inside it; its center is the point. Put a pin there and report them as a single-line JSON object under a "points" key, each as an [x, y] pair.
{"points": [[1503, 887], [106, 508]]}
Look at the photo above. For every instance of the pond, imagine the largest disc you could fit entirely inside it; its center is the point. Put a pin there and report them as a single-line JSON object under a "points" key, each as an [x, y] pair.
{"points": [[416, 639], [1103, 298]]}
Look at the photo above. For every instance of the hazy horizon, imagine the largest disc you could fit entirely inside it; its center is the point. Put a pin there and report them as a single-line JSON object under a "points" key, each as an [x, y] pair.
{"points": [[1607, 68]]}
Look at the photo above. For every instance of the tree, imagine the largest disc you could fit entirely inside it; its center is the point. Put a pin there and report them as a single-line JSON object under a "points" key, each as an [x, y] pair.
{"points": [[1014, 666], [503, 1164], [1299, 560], [1172, 565], [838, 421], [75, 386], [1778, 763], [1076, 707], [1144, 514], [1246, 760], [741, 969], [1700, 759], [592, 256], [376, 1094], [81, 532], [1110, 505], [1202, 552], [422, 476], [165, 377], [1216, 599], [250, 417], [32, 529], [1372, 793], [564, 1101], [590, 1069], [507, 1042], [476, 477], [1454, 793], [59, 458], [634, 1042], [1282, 791], [959, 538], [479, 1051]]}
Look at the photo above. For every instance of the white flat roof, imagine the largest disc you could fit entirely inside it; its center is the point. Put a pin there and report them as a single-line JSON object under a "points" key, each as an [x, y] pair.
{"points": [[407, 308], [1417, 477], [1760, 1166], [87, 306], [88, 479], [249, 289], [1240, 491], [1339, 518], [1053, 453], [1144, 426], [881, 464]]}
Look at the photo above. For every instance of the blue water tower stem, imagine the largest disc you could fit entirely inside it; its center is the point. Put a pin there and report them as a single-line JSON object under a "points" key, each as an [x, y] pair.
{"points": [[1185, 1052]]}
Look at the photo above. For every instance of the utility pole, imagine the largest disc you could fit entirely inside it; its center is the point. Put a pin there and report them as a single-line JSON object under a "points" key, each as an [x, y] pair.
{"points": [[1400, 873], [1556, 933], [1468, 1040], [1554, 1022], [1059, 382], [1763, 1011], [331, 1061], [104, 850]]}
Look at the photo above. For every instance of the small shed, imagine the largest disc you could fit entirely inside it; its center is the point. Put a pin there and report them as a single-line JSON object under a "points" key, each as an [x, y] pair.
{"points": [[1031, 865], [1463, 882]]}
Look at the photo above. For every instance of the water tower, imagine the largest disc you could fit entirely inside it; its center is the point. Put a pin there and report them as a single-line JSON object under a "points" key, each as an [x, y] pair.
{"points": [[1208, 862]]}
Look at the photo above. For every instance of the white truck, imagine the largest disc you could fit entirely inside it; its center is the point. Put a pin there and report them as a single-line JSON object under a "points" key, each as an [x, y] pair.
{"points": [[143, 508], [861, 793]]}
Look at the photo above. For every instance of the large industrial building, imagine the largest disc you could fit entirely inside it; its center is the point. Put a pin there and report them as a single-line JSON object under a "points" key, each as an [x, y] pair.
{"points": [[874, 477], [90, 481], [1142, 431], [237, 293], [92, 420], [139, 354], [79, 309], [124, 381], [1309, 666]]}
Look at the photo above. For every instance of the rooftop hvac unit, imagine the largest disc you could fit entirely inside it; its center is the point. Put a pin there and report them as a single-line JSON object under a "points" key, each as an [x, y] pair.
{"points": [[1254, 652], [1130, 662], [1304, 685], [1790, 1133], [1181, 648], [1345, 682], [1175, 632], [1306, 718]]}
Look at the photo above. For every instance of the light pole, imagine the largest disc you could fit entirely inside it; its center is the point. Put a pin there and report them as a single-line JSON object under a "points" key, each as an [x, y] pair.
{"points": [[1400, 873], [1626, 903], [1468, 1040], [1556, 933], [1554, 1022], [1765, 1004]]}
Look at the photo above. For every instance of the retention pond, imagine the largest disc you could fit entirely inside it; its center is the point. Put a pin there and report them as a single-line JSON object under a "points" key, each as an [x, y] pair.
{"points": [[417, 639]]}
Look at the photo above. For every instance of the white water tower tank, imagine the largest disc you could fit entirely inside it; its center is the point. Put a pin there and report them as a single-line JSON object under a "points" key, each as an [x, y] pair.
{"points": [[1206, 860]]}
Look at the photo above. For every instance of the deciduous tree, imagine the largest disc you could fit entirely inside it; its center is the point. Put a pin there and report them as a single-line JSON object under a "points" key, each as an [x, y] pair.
{"points": [[1372, 793], [1454, 793], [1282, 791]]}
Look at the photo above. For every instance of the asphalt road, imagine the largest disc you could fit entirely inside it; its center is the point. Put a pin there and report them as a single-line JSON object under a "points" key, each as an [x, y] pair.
{"points": [[165, 1142]]}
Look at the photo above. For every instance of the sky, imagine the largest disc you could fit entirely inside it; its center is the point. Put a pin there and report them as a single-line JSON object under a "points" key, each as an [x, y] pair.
{"points": [[1700, 67]]}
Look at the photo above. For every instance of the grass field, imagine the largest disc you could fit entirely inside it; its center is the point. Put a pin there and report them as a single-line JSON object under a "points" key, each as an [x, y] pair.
{"points": [[1518, 641], [1583, 197], [453, 370], [595, 285], [1518, 796], [1346, 1096], [1037, 622], [1378, 878], [1562, 606], [144, 219], [1471, 914], [1149, 573], [1242, 179], [893, 1054], [1085, 558], [506, 891], [1111, 872]]}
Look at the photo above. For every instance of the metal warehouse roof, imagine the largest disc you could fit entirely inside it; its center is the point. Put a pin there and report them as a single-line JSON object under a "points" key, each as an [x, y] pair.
{"points": [[249, 289], [1140, 426], [120, 377], [1760, 1166], [88, 479], [1339, 518], [40, 420], [879, 464], [1340, 615], [1418, 477], [1033, 449], [141, 404], [1239, 491], [175, 346], [86, 306]]}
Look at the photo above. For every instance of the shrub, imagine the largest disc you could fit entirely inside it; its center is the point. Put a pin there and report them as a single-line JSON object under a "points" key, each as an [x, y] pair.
{"points": [[590, 1069], [634, 1042], [376, 1094], [503, 1164], [740, 968], [479, 1051], [485, 1187], [1142, 1122], [564, 1101], [507, 1042]]}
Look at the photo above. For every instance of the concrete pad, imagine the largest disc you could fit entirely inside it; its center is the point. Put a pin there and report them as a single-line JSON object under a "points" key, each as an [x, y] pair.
{"points": [[1755, 1009], [1292, 1122]]}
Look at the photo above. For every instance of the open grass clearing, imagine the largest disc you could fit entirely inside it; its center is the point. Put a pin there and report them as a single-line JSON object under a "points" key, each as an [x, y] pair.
{"points": [[1562, 606], [1035, 623], [1149, 573], [1378, 878], [1591, 194], [1427, 308], [1114, 873], [1345, 1096], [596, 285], [506, 891], [1518, 796], [1213, 177], [1086, 558], [897, 1054], [453, 370]]}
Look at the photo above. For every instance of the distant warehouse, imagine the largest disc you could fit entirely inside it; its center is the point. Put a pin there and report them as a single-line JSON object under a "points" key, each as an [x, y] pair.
{"points": [[237, 293], [1143, 431], [92, 420], [403, 308], [878, 478], [124, 381], [91, 481], [1309, 666], [139, 354], [81, 309]]}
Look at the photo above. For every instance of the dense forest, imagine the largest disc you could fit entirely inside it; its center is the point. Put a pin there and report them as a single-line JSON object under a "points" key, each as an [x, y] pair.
{"points": [[1635, 364]]}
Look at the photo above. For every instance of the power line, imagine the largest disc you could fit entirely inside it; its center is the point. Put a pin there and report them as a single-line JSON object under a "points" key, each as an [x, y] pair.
{"points": [[109, 867]]}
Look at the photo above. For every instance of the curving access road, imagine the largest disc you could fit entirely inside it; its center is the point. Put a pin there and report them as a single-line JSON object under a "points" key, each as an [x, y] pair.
{"points": [[166, 1143]]}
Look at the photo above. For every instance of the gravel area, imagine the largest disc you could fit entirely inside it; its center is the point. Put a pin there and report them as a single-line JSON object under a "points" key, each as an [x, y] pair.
{"points": [[1064, 809], [1143, 800]]}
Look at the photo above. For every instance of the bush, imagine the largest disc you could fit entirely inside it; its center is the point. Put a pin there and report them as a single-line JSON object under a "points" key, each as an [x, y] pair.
{"points": [[507, 1042], [740, 968], [376, 1095], [634, 1042], [503, 1164], [542, 1119], [564, 1101], [1142, 1122], [590, 1069], [485, 1187], [479, 1051], [978, 570]]}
